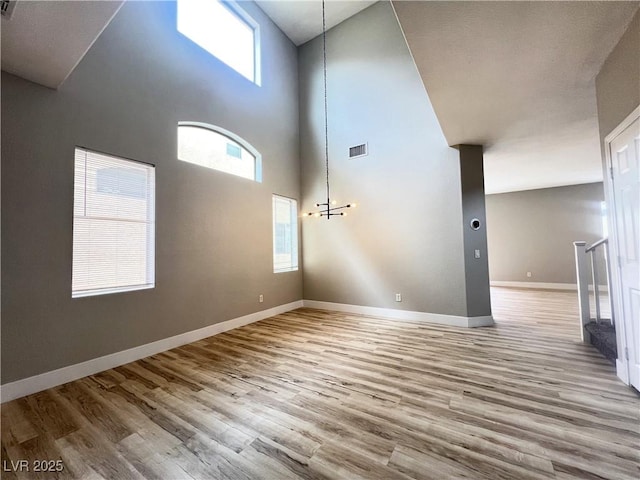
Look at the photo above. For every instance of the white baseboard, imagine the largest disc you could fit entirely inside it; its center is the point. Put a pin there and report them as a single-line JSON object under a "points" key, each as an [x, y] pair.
{"points": [[37, 383], [544, 286], [451, 320]]}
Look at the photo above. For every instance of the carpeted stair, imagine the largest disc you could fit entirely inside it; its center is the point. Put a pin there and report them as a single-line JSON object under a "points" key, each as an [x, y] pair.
{"points": [[603, 337]]}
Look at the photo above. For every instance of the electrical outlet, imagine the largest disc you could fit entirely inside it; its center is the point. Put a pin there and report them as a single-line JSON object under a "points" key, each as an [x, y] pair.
{"points": [[398, 297], [476, 253], [529, 274], [261, 298]]}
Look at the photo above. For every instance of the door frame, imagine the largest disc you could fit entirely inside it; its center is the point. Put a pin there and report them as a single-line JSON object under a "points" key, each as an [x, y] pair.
{"points": [[622, 363]]}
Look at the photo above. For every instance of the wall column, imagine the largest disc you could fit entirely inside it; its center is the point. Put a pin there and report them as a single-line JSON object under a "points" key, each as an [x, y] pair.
{"points": [[474, 228]]}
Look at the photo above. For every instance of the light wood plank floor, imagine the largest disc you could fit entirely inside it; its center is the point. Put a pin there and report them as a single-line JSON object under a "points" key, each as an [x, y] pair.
{"points": [[318, 395]]}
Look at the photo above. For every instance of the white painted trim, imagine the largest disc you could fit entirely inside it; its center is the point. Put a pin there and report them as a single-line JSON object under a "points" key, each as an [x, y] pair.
{"points": [[622, 367], [544, 286], [37, 383], [622, 370], [451, 320], [623, 125], [539, 285]]}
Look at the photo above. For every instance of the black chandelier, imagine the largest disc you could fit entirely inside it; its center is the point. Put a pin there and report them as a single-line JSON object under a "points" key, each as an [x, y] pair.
{"points": [[329, 208]]}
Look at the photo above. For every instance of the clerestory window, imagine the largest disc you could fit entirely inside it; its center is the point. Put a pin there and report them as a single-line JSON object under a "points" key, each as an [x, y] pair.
{"points": [[216, 148], [224, 30]]}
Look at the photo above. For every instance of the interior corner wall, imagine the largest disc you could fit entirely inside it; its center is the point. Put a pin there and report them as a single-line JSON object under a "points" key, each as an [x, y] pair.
{"points": [[534, 230], [213, 230], [405, 236]]}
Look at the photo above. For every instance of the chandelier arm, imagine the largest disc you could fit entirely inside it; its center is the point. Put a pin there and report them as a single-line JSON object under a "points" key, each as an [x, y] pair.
{"points": [[339, 208]]}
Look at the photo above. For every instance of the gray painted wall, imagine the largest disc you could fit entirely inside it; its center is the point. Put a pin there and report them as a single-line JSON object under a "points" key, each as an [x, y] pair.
{"points": [[406, 234], [213, 231], [618, 82], [473, 207], [534, 230], [618, 94]]}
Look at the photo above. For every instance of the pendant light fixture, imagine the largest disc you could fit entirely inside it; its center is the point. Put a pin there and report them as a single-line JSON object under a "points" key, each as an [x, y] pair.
{"points": [[329, 208]]}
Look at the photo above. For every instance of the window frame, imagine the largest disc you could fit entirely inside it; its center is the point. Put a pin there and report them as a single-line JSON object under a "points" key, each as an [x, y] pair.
{"points": [[257, 168], [235, 9], [151, 227], [295, 243]]}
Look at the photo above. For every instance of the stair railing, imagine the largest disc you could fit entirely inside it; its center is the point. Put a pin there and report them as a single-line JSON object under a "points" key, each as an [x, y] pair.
{"points": [[586, 273]]}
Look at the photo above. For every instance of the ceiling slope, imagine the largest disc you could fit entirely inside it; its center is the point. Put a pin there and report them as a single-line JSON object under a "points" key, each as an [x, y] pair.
{"points": [[43, 41], [301, 20], [518, 78]]}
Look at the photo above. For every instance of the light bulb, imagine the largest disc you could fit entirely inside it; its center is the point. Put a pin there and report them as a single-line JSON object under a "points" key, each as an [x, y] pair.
{"points": [[333, 202], [354, 205], [344, 213], [305, 214], [317, 214]]}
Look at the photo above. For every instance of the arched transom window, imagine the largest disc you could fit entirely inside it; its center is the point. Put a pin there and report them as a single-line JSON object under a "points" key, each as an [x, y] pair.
{"points": [[214, 147]]}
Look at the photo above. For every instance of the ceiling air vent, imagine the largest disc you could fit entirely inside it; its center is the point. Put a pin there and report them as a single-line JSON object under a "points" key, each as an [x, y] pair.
{"points": [[358, 151], [6, 8]]}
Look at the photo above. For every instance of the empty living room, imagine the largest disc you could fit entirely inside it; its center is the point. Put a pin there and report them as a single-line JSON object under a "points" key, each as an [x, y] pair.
{"points": [[320, 239]]}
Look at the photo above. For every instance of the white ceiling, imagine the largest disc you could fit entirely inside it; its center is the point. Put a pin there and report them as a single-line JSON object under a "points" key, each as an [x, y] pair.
{"points": [[43, 41], [517, 77], [301, 20]]}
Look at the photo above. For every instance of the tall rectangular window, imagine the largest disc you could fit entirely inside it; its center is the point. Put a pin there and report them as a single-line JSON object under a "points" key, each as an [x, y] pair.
{"points": [[113, 225], [224, 30], [285, 234]]}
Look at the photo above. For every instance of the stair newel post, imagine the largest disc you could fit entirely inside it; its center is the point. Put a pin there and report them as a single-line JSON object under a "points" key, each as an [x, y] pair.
{"points": [[582, 277]]}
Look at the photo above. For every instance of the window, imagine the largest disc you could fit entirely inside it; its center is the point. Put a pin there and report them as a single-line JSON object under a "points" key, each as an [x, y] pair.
{"points": [[225, 31], [113, 225], [285, 234], [216, 148]]}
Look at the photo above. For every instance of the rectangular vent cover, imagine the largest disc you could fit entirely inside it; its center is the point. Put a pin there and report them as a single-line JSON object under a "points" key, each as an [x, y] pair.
{"points": [[6, 8], [358, 151]]}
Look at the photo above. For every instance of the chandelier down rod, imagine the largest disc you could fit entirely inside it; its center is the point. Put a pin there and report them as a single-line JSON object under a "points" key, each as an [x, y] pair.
{"points": [[327, 208]]}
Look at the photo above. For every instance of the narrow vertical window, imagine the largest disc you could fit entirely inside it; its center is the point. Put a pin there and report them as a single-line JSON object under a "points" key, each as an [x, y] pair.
{"points": [[285, 234], [224, 30], [113, 225]]}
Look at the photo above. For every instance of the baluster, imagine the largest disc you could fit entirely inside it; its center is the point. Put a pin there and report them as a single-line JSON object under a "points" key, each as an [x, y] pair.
{"points": [[594, 277]]}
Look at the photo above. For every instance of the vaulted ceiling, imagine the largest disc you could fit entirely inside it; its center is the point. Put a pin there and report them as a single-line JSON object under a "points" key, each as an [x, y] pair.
{"points": [[516, 77]]}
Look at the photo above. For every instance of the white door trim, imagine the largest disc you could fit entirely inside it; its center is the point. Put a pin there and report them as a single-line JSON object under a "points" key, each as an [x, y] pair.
{"points": [[622, 364]]}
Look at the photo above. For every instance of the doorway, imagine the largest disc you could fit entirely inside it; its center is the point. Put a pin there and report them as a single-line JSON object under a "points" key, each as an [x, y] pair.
{"points": [[622, 150]]}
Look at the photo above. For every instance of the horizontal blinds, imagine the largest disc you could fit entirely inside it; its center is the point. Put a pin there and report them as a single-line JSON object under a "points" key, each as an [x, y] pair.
{"points": [[113, 224]]}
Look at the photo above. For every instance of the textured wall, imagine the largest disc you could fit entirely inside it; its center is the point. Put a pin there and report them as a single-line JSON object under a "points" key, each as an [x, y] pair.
{"points": [[406, 235], [534, 230], [618, 83], [213, 230]]}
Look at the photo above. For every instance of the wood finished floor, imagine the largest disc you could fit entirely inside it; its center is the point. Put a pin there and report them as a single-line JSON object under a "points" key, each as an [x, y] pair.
{"points": [[317, 395]]}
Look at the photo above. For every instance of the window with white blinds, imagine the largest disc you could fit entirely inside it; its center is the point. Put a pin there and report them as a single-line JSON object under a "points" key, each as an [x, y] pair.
{"points": [[113, 224], [285, 234]]}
